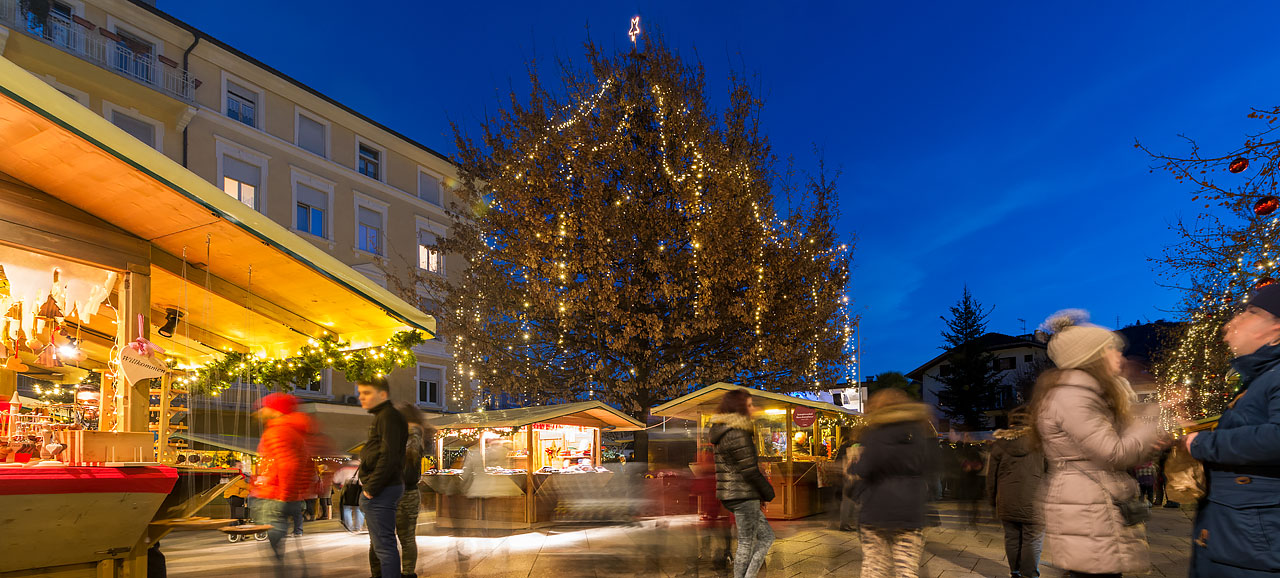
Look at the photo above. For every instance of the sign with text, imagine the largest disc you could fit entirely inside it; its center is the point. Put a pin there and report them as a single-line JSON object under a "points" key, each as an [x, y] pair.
{"points": [[137, 367], [804, 416]]}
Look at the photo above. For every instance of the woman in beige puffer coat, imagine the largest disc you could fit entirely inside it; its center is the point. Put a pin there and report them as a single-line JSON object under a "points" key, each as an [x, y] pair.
{"points": [[1083, 423]]}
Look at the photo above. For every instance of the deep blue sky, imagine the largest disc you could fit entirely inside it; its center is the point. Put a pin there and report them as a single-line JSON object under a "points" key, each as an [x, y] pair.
{"points": [[981, 143]]}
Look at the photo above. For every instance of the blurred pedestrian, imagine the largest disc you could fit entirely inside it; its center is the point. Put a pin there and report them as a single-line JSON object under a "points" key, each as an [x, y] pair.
{"points": [[1082, 421], [382, 473], [324, 493], [740, 484], [1236, 526], [1015, 484], [284, 470], [845, 458], [349, 502], [1146, 476], [893, 471], [410, 501]]}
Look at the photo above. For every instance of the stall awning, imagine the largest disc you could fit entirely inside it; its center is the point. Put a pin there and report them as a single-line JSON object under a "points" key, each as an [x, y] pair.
{"points": [[705, 400], [268, 289], [585, 414]]}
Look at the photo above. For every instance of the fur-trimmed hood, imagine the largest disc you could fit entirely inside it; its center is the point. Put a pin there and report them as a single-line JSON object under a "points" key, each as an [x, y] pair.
{"points": [[1012, 433], [900, 413], [1014, 440], [723, 422]]}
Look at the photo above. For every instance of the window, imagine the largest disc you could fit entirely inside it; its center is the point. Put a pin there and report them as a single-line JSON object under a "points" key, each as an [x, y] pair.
{"points": [[430, 382], [312, 135], [311, 207], [242, 104], [369, 230], [241, 180], [945, 370], [133, 56], [1026, 358], [429, 188], [370, 162], [317, 387], [140, 129], [59, 29], [1004, 363], [429, 257]]}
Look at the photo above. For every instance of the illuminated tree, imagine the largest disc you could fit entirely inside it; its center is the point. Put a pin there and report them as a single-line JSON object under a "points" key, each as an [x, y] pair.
{"points": [[1223, 256], [622, 244]]}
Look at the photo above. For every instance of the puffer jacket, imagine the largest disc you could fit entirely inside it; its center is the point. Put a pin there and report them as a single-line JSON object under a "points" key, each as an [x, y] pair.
{"points": [[1015, 477], [893, 468], [285, 472], [1088, 450], [1237, 530], [738, 475]]}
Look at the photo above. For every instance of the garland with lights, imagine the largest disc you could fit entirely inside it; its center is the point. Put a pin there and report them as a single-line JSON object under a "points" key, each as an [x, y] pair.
{"points": [[307, 365]]}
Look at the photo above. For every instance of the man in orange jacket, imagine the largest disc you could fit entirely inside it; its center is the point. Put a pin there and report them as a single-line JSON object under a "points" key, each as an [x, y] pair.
{"points": [[285, 471]]}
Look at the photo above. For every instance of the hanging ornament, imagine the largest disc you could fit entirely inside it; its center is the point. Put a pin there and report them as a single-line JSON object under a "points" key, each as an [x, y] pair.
{"points": [[1239, 165], [1238, 237], [15, 364], [1266, 205], [1263, 282], [48, 357], [50, 309]]}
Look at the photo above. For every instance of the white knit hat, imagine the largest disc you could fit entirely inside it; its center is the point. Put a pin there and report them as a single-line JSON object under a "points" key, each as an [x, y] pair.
{"points": [[1075, 341]]}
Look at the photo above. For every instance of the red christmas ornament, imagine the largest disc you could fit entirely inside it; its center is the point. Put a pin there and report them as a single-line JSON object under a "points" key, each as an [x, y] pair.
{"points": [[1239, 165], [1266, 205], [1263, 282]]}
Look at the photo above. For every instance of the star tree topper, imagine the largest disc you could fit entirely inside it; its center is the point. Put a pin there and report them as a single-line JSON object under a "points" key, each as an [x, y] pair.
{"points": [[635, 29]]}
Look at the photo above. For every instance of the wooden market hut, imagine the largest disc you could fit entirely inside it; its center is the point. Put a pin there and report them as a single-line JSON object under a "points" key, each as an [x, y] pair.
{"points": [[797, 437]]}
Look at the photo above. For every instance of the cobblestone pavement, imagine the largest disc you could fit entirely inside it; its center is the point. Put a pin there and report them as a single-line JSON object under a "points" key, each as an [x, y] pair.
{"points": [[661, 547]]}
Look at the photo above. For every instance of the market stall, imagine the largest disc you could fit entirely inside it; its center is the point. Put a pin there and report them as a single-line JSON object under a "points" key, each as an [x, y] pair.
{"points": [[796, 437], [121, 272], [521, 468]]}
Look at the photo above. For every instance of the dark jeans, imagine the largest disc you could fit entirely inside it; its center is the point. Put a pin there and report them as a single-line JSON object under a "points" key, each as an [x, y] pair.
{"points": [[406, 532], [1147, 492], [1022, 548], [299, 512], [380, 518]]}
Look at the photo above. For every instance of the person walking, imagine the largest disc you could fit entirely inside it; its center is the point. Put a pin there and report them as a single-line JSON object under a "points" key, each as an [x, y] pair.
{"points": [[410, 501], [1146, 476], [284, 468], [349, 502], [1236, 526], [1082, 421], [382, 473], [1015, 485], [893, 470], [740, 484], [845, 458]]}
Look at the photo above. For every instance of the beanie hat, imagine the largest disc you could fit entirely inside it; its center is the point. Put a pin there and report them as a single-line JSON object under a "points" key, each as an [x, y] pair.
{"points": [[1075, 341], [1267, 299], [281, 402]]}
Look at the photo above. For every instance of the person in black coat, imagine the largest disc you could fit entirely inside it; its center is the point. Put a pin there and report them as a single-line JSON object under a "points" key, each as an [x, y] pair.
{"points": [[893, 470], [1015, 481], [740, 485]]}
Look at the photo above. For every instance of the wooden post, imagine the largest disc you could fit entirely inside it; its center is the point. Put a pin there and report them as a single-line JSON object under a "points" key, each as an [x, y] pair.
{"points": [[530, 499], [598, 449], [788, 497], [137, 301], [164, 452]]}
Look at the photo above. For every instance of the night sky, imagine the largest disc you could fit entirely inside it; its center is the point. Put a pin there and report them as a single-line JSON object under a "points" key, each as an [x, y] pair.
{"points": [[988, 144]]}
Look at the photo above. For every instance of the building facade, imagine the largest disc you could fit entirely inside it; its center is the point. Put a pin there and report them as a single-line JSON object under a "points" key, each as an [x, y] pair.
{"points": [[1017, 360], [366, 194]]}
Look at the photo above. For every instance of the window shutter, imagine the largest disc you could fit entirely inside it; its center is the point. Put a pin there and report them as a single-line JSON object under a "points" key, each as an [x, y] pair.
{"points": [[141, 130], [311, 135], [313, 197], [370, 218], [241, 171], [428, 188]]}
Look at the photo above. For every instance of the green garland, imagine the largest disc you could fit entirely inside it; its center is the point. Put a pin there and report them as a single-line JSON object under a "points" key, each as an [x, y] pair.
{"points": [[307, 366]]}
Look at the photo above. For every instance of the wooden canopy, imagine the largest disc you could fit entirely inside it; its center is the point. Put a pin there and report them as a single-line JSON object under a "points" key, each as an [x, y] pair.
{"points": [[584, 414], [260, 288], [705, 400]]}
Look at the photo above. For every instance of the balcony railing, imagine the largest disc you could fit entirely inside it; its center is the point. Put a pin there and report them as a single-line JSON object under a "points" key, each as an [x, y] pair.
{"points": [[100, 47]]}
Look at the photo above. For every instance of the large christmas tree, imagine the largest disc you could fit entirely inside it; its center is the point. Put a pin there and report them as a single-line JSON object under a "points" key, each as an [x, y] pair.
{"points": [[622, 244], [1226, 254]]}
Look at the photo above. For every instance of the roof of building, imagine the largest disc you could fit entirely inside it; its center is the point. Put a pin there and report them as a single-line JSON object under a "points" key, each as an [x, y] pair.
{"points": [[989, 342], [1145, 339], [706, 399], [583, 413], [204, 36]]}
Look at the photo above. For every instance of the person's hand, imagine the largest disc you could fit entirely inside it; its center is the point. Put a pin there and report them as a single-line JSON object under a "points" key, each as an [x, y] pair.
{"points": [[366, 494], [1186, 441]]}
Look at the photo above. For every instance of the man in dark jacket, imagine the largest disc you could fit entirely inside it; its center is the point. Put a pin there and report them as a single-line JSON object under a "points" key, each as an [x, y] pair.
{"points": [[1015, 478], [382, 472]]}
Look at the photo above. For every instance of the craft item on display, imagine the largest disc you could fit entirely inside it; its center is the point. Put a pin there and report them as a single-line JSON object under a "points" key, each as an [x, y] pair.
{"points": [[15, 364], [50, 308], [141, 345], [35, 280], [48, 357], [136, 366]]}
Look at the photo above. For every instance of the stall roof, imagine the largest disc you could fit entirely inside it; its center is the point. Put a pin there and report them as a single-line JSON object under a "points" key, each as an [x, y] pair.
{"points": [[585, 413], [294, 289], [705, 400], [244, 444]]}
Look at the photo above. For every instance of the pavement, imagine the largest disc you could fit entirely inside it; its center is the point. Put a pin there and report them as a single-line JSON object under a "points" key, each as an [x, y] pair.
{"points": [[667, 547]]}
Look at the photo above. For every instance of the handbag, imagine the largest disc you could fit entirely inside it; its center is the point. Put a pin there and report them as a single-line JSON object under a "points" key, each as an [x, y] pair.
{"points": [[1133, 511]]}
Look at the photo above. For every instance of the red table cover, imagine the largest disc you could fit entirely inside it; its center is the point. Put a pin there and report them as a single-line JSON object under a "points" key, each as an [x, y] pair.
{"points": [[87, 480]]}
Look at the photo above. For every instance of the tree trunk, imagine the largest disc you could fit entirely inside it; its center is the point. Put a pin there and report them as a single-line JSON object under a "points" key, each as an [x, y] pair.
{"points": [[641, 444]]}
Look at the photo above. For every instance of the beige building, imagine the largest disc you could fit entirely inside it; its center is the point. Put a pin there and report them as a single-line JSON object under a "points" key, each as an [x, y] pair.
{"points": [[357, 189]]}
